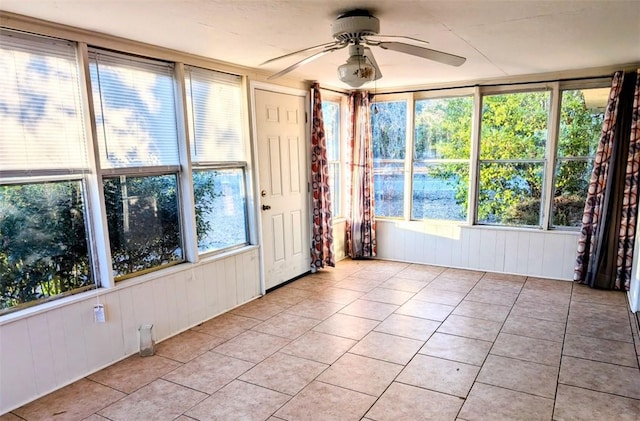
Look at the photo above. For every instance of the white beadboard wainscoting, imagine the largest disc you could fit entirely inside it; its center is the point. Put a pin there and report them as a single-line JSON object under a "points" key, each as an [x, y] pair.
{"points": [[60, 343], [545, 254], [339, 238], [634, 289]]}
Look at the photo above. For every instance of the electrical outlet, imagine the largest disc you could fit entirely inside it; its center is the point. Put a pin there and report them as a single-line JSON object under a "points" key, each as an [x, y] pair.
{"points": [[99, 314]]}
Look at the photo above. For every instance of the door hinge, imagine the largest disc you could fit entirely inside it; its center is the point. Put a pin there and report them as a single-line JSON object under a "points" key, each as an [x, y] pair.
{"points": [[306, 117]]}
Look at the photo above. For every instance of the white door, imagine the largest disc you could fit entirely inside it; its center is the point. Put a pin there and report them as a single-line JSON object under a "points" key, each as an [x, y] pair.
{"points": [[283, 201]]}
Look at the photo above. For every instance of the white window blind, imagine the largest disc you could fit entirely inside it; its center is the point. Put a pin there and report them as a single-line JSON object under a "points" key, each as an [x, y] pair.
{"points": [[134, 103], [215, 110], [41, 124]]}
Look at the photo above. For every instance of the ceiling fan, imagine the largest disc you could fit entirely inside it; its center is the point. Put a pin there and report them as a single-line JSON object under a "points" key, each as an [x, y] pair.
{"points": [[358, 29]]}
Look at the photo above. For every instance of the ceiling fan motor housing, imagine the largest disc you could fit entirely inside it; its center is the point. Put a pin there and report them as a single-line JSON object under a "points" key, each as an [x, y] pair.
{"points": [[353, 28]]}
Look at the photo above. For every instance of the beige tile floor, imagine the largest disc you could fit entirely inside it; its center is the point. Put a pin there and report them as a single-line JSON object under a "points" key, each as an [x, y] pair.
{"points": [[375, 340]]}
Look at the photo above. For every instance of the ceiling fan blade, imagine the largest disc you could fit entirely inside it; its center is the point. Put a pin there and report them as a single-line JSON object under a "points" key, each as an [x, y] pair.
{"points": [[306, 60], [378, 38], [304, 50], [427, 53], [369, 56]]}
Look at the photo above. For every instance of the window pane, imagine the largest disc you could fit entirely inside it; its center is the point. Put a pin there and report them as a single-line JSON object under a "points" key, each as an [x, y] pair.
{"points": [[514, 126], [43, 242], [41, 122], [509, 193], [389, 125], [331, 117], [388, 180], [221, 208], [144, 222], [581, 117], [135, 111], [443, 128], [442, 132], [440, 191], [215, 106], [334, 178], [572, 183]]}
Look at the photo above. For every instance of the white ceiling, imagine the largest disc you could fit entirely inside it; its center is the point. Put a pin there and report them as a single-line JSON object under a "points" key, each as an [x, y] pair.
{"points": [[499, 38]]}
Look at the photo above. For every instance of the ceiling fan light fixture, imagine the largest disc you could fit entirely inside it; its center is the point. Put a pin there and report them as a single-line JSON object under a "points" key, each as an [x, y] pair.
{"points": [[356, 71]]}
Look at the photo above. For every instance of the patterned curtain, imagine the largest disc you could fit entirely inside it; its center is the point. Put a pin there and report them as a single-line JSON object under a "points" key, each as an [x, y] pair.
{"points": [[605, 245], [627, 235], [322, 235], [361, 224]]}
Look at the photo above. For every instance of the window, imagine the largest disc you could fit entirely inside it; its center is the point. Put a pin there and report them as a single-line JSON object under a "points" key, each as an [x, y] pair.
{"points": [[389, 128], [521, 178], [143, 219], [219, 159], [331, 116], [44, 251], [135, 117], [581, 117], [221, 208], [512, 151], [442, 140], [46, 167]]}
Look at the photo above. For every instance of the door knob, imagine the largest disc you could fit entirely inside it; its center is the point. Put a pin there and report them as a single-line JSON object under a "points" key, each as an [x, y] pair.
{"points": [[266, 207]]}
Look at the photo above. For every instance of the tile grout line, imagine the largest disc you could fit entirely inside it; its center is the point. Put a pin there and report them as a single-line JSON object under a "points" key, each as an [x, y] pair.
{"points": [[376, 399], [408, 362], [564, 337], [493, 342]]}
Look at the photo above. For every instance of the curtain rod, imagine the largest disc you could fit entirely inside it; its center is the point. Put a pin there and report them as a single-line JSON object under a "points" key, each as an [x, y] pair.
{"points": [[334, 91], [495, 84], [478, 85]]}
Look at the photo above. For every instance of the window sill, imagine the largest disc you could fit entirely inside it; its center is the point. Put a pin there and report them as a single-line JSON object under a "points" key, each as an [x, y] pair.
{"points": [[464, 225]]}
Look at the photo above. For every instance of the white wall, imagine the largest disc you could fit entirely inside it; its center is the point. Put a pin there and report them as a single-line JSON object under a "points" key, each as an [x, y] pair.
{"points": [[634, 289], [545, 254], [51, 345], [339, 238]]}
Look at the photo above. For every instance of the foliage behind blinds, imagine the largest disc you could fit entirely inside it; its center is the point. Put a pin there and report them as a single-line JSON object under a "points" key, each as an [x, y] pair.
{"points": [[134, 103], [216, 94], [40, 110]]}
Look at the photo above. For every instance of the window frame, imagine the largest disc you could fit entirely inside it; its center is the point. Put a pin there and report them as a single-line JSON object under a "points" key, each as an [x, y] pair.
{"points": [[436, 95], [209, 165], [478, 93], [51, 174], [92, 173], [93, 277], [408, 151], [151, 172], [142, 170], [559, 87], [338, 212], [544, 160], [231, 165]]}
